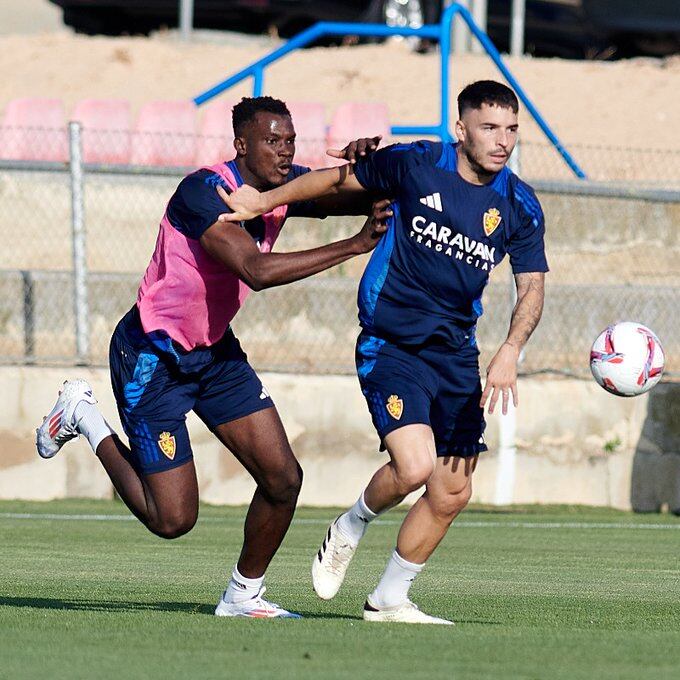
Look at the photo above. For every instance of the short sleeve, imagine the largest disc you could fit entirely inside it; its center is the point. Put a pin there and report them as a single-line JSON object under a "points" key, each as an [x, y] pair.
{"points": [[302, 208], [384, 170], [526, 246], [196, 205]]}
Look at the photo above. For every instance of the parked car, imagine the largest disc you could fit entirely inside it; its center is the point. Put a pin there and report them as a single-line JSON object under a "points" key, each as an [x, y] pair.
{"points": [[562, 28], [553, 27], [630, 27], [113, 17]]}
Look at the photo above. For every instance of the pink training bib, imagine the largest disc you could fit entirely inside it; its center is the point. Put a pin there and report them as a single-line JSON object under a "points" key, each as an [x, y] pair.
{"points": [[188, 294]]}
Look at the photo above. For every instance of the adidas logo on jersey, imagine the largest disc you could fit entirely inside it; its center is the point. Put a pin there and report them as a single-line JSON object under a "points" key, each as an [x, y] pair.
{"points": [[433, 201]]}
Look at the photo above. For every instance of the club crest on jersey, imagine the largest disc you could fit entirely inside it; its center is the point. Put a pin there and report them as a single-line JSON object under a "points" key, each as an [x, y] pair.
{"points": [[166, 442], [394, 406], [492, 218]]}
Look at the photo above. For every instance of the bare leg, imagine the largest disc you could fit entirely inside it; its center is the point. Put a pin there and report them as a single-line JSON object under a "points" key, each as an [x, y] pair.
{"points": [[261, 445], [114, 456], [412, 461], [446, 494], [165, 502]]}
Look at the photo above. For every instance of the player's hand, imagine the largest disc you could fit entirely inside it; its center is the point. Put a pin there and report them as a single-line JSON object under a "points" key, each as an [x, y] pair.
{"points": [[246, 202], [356, 149], [501, 378], [374, 227]]}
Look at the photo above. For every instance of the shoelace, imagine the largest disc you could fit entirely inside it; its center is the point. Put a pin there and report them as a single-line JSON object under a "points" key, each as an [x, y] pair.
{"points": [[265, 604], [339, 556]]}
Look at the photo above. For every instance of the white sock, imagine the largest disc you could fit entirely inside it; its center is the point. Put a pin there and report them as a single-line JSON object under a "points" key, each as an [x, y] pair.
{"points": [[91, 424], [241, 588], [354, 522], [396, 580]]}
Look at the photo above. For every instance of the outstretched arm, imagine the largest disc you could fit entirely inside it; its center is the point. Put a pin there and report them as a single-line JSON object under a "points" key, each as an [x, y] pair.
{"points": [[234, 247], [501, 376], [247, 202], [349, 202]]}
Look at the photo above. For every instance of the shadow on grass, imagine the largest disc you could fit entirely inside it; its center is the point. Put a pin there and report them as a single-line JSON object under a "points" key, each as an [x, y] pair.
{"points": [[328, 615], [184, 607], [118, 606], [105, 605]]}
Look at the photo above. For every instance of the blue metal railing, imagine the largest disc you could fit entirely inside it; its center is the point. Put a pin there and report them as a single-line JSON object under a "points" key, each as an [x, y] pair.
{"points": [[440, 32]]}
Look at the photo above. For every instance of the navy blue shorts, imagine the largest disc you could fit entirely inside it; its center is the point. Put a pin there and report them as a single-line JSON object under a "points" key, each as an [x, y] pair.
{"points": [[155, 389], [437, 386]]}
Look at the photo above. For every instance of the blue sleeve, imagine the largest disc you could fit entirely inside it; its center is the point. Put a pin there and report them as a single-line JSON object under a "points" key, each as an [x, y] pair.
{"points": [[384, 170], [196, 205], [526, 246], [302, 208]]}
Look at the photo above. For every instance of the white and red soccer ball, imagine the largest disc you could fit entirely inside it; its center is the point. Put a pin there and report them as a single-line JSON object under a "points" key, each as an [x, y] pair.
{"points": [[627, 359]]}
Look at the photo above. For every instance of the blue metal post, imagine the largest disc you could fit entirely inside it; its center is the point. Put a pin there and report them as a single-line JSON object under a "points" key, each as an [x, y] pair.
{"points": [[310, 35], [258, 82], [440, 32], [496, 58], [444, 53]]}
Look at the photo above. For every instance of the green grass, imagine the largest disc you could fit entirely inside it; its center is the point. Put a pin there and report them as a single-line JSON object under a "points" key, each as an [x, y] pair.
{"points": [[106, 599]]}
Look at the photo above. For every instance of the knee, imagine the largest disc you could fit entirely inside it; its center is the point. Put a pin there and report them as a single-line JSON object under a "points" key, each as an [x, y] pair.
{"points": [[283, 487], [414, 474], [447, 506], [174, 526]]}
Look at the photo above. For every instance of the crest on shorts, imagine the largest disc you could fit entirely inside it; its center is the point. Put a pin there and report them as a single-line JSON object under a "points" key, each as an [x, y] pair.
{"points": [[492, 218], [394, 406], [166, 441]]}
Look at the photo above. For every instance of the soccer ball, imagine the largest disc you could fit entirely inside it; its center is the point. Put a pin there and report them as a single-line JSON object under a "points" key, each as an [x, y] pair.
{"points": [[627, 359]]}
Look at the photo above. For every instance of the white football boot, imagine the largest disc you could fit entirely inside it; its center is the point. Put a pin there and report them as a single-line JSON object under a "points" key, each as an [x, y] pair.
{"points": [[330, 562], [255, 608], [60, 425], [404, 613]]}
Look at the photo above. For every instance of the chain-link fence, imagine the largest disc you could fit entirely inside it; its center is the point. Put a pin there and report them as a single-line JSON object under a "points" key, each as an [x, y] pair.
{"points": [[634, 167], [65, 281]]}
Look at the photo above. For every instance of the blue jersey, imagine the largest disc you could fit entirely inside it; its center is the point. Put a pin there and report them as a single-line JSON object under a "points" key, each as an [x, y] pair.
{"points": [[425, 279]]}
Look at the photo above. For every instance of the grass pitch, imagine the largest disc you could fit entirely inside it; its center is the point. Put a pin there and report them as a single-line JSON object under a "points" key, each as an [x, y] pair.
{"points": [[536, 593]]}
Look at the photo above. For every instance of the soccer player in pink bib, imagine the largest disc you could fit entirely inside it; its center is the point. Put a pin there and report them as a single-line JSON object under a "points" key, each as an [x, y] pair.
{"points": [[174, 351]]}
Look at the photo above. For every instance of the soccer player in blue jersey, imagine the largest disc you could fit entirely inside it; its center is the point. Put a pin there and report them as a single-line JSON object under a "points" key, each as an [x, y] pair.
{"points": [[458, 210]]}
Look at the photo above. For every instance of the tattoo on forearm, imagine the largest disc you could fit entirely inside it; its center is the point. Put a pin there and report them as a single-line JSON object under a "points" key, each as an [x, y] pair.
{"points": [[529, 307]]}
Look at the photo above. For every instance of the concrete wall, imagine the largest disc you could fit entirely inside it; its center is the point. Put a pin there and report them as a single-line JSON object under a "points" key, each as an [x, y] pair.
{"points": [[566, 430]]}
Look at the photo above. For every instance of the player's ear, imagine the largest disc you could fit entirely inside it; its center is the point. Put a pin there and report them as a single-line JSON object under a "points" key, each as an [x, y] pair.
{"points": [[460, 130], [240, 146]]}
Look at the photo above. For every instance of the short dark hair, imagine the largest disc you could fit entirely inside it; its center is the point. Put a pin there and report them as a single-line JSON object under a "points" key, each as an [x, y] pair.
{"points": [[487, 92], [246, 110]]}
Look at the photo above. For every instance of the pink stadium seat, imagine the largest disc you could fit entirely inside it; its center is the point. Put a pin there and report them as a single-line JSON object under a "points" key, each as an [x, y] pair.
{"points": [[216, 140], [309, 120], [165, 134], [353, 120], [106, 130], [34, 129]]}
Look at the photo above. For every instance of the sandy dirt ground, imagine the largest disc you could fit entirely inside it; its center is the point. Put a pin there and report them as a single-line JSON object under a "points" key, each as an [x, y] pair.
{"points": [[632, 103]]}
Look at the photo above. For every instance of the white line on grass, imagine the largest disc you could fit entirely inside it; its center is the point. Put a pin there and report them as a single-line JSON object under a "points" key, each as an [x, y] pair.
{"points": [[462, 523]]}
